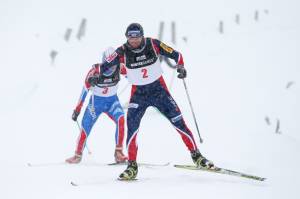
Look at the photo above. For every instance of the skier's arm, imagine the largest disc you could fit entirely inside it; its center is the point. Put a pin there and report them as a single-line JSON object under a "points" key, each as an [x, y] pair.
{"points": [[169, 52], [82, 97], [87, 85], [81, 100], [120, 52]]}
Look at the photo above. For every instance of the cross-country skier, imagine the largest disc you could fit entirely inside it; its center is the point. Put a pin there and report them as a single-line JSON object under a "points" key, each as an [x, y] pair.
{"points": [[139, 58], [103, 83]]}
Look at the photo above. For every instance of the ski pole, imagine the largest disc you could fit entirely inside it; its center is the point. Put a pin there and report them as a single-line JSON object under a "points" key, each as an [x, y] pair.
{"points": [[191, 106], [80, 132]]}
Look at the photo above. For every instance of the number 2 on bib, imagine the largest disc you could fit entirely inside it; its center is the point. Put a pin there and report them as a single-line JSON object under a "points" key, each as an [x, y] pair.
{"points": [[145, 73]]}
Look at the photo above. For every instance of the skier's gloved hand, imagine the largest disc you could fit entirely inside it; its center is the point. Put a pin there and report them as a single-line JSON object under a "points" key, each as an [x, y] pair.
{"points": [[93, 80], [181, 72], [75, 115]]}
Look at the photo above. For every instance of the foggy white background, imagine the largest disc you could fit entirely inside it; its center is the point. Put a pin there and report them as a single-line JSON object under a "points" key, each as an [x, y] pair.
{"points": [[235, 79]]}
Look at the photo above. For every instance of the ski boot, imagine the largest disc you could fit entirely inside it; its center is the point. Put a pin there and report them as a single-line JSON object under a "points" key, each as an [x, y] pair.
{"points": [[119, 156], [200, 160], [74, 159], [131, 172]]}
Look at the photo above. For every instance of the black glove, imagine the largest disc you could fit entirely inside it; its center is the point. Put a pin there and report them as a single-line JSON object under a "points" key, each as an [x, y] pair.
{"points": [[75, 115], [93, 80], [182, 73]]}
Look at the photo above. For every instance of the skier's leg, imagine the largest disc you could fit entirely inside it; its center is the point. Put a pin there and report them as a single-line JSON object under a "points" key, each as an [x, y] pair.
{"points": [[89, 118], [116, 113], [136, 109], [168, 107]]}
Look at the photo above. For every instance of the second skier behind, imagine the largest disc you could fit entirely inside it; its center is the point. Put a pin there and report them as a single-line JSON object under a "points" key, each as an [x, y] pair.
{"points": [[102, 80]]}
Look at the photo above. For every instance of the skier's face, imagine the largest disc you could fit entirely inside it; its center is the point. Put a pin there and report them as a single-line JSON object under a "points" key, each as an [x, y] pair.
{"points": [[134, 42]]}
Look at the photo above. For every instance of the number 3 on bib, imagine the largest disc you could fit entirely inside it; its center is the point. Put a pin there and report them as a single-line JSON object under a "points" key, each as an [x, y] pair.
{"points": [[145, 73], [105, 90]]}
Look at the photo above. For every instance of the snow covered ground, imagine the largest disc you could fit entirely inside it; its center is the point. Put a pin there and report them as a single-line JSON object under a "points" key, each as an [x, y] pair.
{"points": [[236, 80]]}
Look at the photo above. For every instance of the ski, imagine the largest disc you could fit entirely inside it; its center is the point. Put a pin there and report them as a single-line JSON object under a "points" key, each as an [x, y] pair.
{"points": [[131, 180], [87, 183], [142, 164], [77, 184], [221, 171], [116, 163], [45, 164]]}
